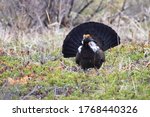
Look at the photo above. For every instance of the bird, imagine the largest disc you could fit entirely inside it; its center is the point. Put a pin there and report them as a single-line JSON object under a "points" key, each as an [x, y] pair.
{"points": [[88, 42]]}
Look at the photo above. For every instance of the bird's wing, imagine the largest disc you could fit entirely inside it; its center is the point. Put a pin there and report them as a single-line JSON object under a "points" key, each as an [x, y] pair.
{"points": [[99, 55], [78, 57], [104, 35], [99, 58]]}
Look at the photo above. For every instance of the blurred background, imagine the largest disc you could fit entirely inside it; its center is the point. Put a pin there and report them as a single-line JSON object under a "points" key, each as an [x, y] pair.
{"points": [[130, 18]]}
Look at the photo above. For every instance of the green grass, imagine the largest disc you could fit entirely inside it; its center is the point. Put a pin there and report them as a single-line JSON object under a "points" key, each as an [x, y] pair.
{"points": [[124, 75]]}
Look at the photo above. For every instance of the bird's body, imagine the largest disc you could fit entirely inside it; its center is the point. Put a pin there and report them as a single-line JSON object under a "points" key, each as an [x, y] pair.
{"points": [[89, 55], [87, 42], [84, 60]]}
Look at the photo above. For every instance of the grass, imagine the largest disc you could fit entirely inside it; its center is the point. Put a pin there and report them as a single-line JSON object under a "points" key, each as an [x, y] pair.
{"points": [[124, 75]]}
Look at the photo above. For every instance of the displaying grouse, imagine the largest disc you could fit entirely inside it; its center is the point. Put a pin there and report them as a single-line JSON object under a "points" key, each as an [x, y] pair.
{"points": [[87, 42]]}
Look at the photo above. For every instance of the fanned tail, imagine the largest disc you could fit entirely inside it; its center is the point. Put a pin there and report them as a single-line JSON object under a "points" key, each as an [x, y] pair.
{"points": [[104, 35]]}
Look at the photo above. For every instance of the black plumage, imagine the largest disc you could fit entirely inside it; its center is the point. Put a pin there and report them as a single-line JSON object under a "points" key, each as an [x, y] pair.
{"points": [[87, 42]]}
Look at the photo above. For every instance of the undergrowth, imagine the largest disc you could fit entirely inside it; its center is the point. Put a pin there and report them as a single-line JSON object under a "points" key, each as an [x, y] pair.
{"points": [[124, 75]]}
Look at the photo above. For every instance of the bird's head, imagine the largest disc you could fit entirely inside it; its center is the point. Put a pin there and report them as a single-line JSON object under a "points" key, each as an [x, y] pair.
{"points": [[88, 41], [87, 38]]}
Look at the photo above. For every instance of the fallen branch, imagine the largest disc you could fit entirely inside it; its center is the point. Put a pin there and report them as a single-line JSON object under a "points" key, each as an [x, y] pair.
{"points": [[36, 88]]}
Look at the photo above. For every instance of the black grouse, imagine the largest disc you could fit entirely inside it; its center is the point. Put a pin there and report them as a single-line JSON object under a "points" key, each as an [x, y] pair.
{"points": [[87, 42]]}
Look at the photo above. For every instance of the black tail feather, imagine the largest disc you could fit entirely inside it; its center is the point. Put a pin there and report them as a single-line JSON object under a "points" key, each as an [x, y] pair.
{"points": [[104, 35]]}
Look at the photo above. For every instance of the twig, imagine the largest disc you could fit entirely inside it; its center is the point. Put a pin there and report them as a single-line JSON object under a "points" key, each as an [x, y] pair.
{"points": [[71, 7], [31, 92], [82, 9], [99, 8], [119, 12]]}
